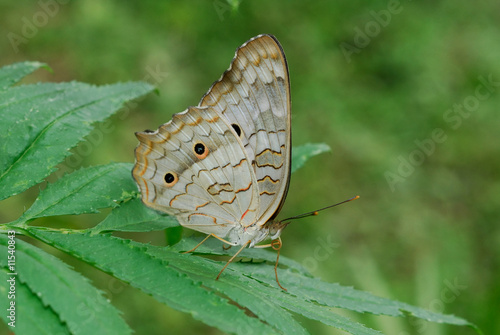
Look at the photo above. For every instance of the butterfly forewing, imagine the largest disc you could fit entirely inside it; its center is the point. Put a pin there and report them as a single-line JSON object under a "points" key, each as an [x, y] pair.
{"points": [[254, 96]]}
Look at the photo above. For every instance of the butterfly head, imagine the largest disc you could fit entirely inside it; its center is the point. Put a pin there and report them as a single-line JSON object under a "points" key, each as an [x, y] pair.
{"points": [[274, 228]]}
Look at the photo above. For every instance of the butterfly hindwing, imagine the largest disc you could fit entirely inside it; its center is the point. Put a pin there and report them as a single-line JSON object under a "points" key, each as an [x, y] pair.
{"points": [[195, 167]]}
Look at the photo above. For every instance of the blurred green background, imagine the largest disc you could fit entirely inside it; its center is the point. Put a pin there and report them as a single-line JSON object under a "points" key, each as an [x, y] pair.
{"points": [[397, 89]]}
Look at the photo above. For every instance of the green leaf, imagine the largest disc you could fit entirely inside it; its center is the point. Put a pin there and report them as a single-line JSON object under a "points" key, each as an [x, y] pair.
{"points": [[252, 294], [77, 303], [251, 285], [128, 262], [244, 291], [31, 316], [133, 215], [310, 296], [84, 191], [335, 295], [173, 235], [301, 154], [41, 122], [11, 74]]}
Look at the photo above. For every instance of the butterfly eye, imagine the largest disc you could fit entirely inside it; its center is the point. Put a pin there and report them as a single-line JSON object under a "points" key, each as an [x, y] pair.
{"points": [[200, 150], [237, 129], [171, 178]]}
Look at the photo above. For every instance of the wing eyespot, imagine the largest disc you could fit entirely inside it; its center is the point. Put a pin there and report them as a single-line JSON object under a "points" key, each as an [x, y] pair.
{"points": [[237, 129], [170, 179], [200, 150]]}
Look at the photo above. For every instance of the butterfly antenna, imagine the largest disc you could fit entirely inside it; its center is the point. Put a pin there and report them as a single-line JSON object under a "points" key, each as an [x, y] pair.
{"points": [[300, 216]]}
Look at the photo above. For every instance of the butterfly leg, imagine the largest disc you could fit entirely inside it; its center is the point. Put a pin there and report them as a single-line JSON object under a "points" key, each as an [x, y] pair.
{"points": [[231, 259], [196, 247], [276, 245], [206, 238]]}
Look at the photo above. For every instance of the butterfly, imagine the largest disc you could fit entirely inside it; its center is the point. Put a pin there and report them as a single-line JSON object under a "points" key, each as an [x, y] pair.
{"points": [[223, 167]]}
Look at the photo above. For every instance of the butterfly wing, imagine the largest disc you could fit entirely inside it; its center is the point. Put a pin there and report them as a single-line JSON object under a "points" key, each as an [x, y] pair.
{"points": [[195, 167], [254, 96]]}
